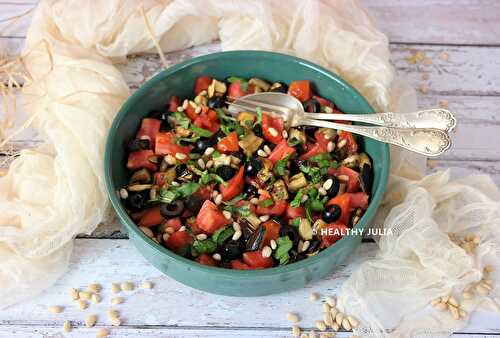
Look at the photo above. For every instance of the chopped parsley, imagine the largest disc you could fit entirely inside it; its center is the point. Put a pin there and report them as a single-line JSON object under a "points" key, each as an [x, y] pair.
{"points": [[292, 141], [200, 131], [266, 203], [205, 246], [181, 119], [242, 81], [243, 210], [170, 194], [207, 178], [284, 246], [222, 235], [280, 166], [295, 203]]}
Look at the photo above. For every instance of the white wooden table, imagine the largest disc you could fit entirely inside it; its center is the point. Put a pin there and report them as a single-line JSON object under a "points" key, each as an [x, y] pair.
{"points": [[467, 31]]}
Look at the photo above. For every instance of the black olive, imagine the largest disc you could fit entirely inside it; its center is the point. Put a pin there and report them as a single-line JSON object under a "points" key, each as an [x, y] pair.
{"points": [[279, 87], [173, 209], [257, 130], [239, 155], [232, 250], [166, 125], [314, 245], [366, 178], [294, 256], [226, 172], [181, 170], [334, 189], [254, 165], [250, 190], [216, 102], [193, 204], [279, 220], [332, 213], [255, 241], [202, 144], [309, 130], [295, 166], [157, 114], [137, 200], [138, 144], [299, 148], [312, 106], [291, 233], [270, 145]]}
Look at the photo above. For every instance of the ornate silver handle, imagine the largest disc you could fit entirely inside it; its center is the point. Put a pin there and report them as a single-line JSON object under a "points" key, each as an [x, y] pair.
{"points": [[430, 118], [426, 141]]}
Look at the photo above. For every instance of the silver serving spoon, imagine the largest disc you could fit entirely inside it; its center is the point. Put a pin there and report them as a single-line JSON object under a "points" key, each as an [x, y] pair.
{"points": [[424, 132]]}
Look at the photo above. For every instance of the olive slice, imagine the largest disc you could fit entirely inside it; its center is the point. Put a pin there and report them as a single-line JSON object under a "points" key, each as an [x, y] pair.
{"points": [[255, 240], [173, 209], [366, 178], [232, 250]]}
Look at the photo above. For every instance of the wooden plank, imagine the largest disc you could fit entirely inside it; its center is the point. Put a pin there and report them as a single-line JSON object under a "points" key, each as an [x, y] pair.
{"points": [[107, 261], [461, 22], [472, 22]]}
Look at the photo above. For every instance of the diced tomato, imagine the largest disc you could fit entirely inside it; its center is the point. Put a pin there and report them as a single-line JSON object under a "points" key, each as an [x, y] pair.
{"points": [[178, 240], [277, 209], [140, 159], [236, 264], [202, 83], [276, 123], [234, 185], [205, 259], [235, 90], [191, 112], [313, 150], [165, 145], [149, 129], [332, 233], [210, 219], [353, 182], [301, 89], [324, 102], [352, 146], [151, 217], [173, 103], [292, 213], [322, 139], [254, 259], [344, 202], [191, 223], [281, 150], [207, 120], [204, 192], [160, 178], [272, 231], [229, 143], [174, 223]]}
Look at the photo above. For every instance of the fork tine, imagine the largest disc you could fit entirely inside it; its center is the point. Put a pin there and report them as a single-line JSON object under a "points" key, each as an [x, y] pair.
{"points": [[267, 106]]}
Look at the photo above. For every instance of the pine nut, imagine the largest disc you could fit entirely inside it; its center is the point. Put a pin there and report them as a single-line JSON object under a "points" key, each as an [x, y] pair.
{"points": [[254, 200], [55, 309], [330, 301], [147, 231], [344, 178], [274, 245], [210, 164], [273, 132], [227, 214], [90, 320], [180, 109], [293, 317], [322, 191], [116, 321], [82, 304], [341, 144], [320, 325], [175, 183], [209, 151], [95, 287], [326, 307], [170, 159], [201, 237], [266, 251], [284, 134], [180, 156], [147, 285], [333, 312], [96, 298], [116, 300], [218, 199], [335, 327], [237, 235], [193, 104], [264, 218], [73, 293], [305, 246], [261, 153], [346, 325], [267, 149], [67, 326], [304, 198], [327, 318], [112, 314], [236, 226], [201, 163], [185, 104], [328, 110], [295, 331], [216, 256], [197, 110], [165, 236], [85, 295], [123, 194], [169, 230], [330, 146], [353, 321], [128, 286], [102, 333], [339, 317], [328, 184]]}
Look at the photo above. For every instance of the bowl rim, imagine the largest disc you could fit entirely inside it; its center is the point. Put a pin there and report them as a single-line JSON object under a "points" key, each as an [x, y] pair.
{"points": [[191, 264]]}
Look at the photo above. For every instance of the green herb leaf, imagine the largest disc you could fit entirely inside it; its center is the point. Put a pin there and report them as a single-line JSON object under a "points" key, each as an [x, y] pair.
{"points": [[258, 111], [232, 126], [170, 194], [284, 246], [181, 119], [292, 141], [207, 178], [242, 81], [297, 199], [200, 131], [315, 174], [296, 222], [205, 246], [280, 166], [243, 211], [266, 203], [223, 116], [222, 235], [215, 154]]}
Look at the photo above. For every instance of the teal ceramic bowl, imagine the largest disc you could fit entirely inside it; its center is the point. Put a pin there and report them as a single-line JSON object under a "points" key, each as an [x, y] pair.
{"points": [[179, 80]]}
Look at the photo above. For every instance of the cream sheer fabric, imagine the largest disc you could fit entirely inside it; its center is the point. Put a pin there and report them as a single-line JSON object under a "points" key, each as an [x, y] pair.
{"points": [[52, 193]]}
